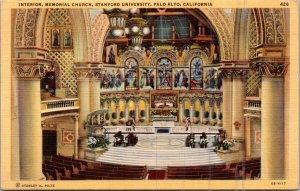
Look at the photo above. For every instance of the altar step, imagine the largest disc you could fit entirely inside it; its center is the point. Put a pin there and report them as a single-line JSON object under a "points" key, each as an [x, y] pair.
{"points": [[160, 158]]}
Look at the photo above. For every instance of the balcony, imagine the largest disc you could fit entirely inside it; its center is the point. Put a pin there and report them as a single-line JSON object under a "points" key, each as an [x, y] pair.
{"points": [[252, 108], [67, 105]]}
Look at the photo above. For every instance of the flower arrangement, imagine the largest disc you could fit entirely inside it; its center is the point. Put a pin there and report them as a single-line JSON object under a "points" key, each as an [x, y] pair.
{"points": [[97, 141], [142, 113], [197, 114], [186, 112], [132, 113], [114, 115], [203, 143], [227, 144], [122, 114]]}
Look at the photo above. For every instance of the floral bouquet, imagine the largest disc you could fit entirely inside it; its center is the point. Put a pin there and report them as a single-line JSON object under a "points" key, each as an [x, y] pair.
{"points": [[203, 143], [227, 144], [97, 141]]}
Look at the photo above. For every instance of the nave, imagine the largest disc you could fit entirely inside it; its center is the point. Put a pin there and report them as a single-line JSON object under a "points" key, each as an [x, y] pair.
{"points": [[67, 168]]}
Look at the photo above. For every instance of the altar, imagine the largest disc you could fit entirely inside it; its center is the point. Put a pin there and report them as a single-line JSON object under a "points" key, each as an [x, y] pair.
{"points": [[163, 126]]}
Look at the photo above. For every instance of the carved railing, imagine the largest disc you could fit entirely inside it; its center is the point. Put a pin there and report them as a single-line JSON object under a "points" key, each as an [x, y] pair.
{"points": [[252, 108], [68, 104], [152, 129], [252, 104]]}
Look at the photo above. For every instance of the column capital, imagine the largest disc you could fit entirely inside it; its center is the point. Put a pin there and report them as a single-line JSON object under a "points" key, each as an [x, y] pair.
{"points": [[75, 118], [30, 63], [202, 102], [234, 69], [87, 70], [218, 102], [269, 67], [211, 102]]}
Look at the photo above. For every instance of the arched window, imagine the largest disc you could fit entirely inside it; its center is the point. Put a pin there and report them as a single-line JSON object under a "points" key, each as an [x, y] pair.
{"points": [[131, 74], [164, 74], [196, 73]]}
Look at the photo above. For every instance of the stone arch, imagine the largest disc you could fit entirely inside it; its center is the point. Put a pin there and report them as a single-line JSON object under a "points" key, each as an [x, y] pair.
{"points": [[132, 54], [163, 54], [224, 29], [29, 26], [25, 27], [100, 28], [196, 53]]}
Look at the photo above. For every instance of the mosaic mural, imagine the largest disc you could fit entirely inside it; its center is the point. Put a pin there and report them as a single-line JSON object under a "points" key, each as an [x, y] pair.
{"points": [[164, 74], [112, 79], [196, 73], [181, 78], [147, 78], [212, 79]]}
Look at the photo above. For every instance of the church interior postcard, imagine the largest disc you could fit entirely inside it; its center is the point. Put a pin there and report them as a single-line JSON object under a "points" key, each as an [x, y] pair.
{"points": [[149, 95]]}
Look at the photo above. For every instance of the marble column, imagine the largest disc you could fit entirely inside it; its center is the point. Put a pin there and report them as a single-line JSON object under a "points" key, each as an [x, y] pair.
{"points": [[88, 85], [29, 72], [84, 103], [109, 112], [211, 109], [233, 92], [227, 106], [272, 128], [192, 110], [272, 115], [94, 94], [76, 125], [117, 112], [202, 110], [219, 111], [126, 111], [137, 112], [248, 137], [147, 112], [181, 113], [238, 87]]}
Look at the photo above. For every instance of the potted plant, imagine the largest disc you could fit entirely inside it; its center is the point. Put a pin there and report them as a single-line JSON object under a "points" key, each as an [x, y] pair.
{"points": [[132, 113], [122, 117], [214, 119], [196, 117], [143, 114], [206, 116], [220, 119], [97, 145], [227, 144], [114, 118], [216, 144], [203, 143], [107, 117], [186, 113], [97, 141]]}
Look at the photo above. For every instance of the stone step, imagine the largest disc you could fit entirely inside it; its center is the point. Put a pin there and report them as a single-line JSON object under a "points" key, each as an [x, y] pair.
{"points": [[161, 163], [151, 155], [160, 158]]}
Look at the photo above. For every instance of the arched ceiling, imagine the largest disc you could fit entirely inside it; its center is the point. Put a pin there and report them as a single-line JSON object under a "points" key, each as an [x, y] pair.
{"points": [[30, 22]]}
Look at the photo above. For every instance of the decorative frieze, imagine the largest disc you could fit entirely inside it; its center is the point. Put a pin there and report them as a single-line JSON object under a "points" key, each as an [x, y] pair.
{"points": [[87, 70], [234, 69], [269, 67], [30, 70], [30, 63]]}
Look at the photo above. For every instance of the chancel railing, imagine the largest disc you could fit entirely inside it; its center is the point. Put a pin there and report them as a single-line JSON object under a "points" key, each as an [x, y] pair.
{"points": [[59, 105], [173, 130]]}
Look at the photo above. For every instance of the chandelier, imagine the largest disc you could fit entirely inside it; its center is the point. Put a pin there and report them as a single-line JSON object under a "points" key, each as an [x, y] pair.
{"points": [[117, 20], [135, 27]]}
